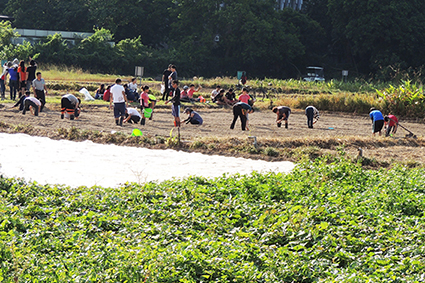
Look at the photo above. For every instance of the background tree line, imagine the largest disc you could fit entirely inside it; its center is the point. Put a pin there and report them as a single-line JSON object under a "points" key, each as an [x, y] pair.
{"points": [[371, 38]]}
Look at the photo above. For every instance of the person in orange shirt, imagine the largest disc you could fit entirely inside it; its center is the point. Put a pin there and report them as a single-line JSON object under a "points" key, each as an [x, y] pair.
{"points": [[22, 71]]}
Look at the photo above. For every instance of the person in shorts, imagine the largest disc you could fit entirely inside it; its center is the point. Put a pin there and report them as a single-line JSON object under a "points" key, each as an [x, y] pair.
{"points": [[175, 108], [70, 104], [282, 113], [391, 122], [312, 115], [119, 99], [377, 120]]}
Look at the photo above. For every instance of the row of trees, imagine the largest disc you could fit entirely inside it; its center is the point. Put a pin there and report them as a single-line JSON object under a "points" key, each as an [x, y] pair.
{"points": [[212, 37]]}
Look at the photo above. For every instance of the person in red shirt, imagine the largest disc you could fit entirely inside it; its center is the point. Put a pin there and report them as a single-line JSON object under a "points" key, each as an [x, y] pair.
{"points": [[245, 96], [391, 122], [107, 94]]}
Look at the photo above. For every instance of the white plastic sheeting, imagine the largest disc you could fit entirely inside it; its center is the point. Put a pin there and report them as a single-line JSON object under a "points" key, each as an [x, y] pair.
{"points": [[86, 163]]}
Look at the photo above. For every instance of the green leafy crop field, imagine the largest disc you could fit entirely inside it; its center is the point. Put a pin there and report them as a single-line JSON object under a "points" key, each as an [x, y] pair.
{"points": [[324, 222]]}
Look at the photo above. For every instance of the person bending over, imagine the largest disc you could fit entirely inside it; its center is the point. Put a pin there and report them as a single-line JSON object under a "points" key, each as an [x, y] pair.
{"points": [[391, 123], [377, 120], [132, 116], [194, 118], [241, 109], [70, 104], [282, 113], [312, 115], [32, 104]]}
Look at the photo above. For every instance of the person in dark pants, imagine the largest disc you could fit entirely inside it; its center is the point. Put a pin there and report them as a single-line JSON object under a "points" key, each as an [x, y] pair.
{"points": [[21, 101], [391, 122], [70, 104], [31, 104], [132, 116], [40, 89], [175, 108], [166, 74], [283, 113], [377, 120], [194, 118], [312, 115], [13, 81], [241, 109]]}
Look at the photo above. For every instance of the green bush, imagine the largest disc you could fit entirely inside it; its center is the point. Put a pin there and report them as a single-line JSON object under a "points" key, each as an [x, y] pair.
{"points": [[326, 221]]}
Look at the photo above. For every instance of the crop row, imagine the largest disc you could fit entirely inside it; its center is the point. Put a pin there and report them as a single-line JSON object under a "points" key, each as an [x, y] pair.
{"points": [[323, 222]]}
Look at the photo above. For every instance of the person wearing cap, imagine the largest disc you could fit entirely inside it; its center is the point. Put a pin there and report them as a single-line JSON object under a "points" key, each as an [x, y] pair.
{"points": [[32, 104], [377, 120], [312, 115], [71, 105], [175, 108], [240, 110], [132, 116], [194, 118], [391, 122], [282, 113], [184, 95], [165, 75]]}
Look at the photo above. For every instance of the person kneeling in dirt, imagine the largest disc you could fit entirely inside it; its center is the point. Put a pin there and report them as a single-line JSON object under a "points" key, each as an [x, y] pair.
{"points": [[132, 116], [312, 115], [391, 122], [70, 104], [194, 118], [241, 109], [32, 104], [283, 113], [377, 120]]}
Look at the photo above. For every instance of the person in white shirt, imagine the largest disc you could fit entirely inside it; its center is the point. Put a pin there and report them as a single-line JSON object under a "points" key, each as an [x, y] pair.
{"points": [[31, 104], [119, 99], [132, 116], [215, 92]]}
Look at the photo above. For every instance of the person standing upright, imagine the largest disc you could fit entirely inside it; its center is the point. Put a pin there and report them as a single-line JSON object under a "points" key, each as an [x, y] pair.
{"points": [[31, 70], [119, 99], [13, 81], [40, 89], [3, 78], [175, 108], [172, 77], [22, 78], [165, 75]]}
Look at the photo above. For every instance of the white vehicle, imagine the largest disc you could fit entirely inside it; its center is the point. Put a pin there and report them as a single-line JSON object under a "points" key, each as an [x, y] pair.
{"points": [[314, 74]]}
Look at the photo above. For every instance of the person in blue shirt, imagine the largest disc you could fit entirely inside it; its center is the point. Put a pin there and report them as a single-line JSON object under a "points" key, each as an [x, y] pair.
{"points": [[377, 120], [13, 81]]}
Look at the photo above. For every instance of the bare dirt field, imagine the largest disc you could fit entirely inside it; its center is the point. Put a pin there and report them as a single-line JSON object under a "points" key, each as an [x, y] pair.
{"points": [[261, 124]]}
